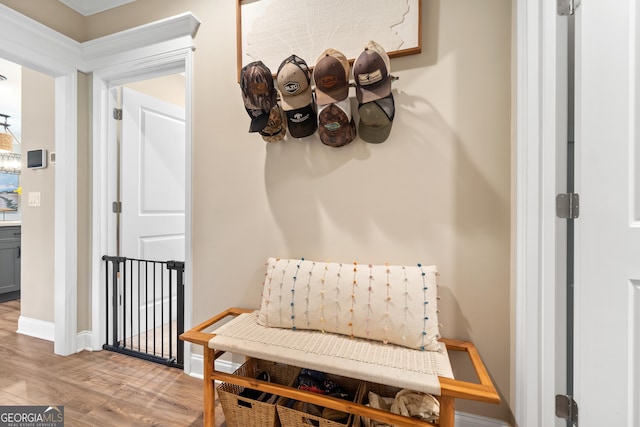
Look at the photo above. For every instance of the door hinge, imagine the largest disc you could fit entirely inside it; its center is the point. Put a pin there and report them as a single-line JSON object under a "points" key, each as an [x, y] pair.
{"points": [[568, 205], [567, 7], [116, 207], [117, 113], [567, 408]]}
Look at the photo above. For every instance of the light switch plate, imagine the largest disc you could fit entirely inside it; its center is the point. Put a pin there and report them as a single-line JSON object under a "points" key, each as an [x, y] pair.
{"points": [[34, 198]]}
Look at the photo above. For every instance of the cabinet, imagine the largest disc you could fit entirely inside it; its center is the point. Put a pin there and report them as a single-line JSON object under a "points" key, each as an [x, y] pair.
{"points": [[9, 262]]}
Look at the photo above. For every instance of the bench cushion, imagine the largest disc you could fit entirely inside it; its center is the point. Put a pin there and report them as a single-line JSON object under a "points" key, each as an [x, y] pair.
{"points": [[388, 303], [356, 358]]}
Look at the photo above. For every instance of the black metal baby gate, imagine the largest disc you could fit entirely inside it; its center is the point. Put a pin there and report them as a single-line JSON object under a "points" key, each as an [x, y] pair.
{"points": [[145, 309]]}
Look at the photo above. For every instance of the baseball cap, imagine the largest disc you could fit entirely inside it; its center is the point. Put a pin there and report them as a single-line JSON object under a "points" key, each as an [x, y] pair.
{"points": [[302, 121], [258, 93], [376, 119], [331, 77], [372, 73], [276, 126], [294, 84], [335, 124]]}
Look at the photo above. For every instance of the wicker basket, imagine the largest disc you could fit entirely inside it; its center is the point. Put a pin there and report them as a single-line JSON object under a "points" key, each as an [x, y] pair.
{"points": [[240, 411], [382, 390], [290, 417], [379, 389]]}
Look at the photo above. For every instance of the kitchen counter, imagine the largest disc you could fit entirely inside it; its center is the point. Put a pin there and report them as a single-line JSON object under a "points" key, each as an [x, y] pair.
{"points": [[10, 223]]}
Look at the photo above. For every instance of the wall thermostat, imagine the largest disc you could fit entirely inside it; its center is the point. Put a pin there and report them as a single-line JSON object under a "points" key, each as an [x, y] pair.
{"points": [[37, 159]]}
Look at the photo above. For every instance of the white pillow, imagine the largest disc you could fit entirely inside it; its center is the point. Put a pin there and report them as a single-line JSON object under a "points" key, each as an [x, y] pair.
{"points": [[388, 303]]}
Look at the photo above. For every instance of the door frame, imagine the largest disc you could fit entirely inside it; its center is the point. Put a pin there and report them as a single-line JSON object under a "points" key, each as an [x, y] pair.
{"points": [[539, 259], [140, 57]]}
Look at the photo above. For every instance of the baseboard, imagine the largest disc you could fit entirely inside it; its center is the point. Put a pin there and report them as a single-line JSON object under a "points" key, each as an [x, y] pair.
{"points": [[197, 366], [463, 419], [84, 339], [36, 328]]}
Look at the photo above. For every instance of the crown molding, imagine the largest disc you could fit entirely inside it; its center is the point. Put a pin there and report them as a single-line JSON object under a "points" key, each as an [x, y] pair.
{"points": [[41, 48], [32, 44], [120, 47], [90, 7]]}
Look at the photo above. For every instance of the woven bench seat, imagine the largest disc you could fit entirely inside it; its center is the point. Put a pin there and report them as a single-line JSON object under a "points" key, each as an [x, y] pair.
{"points": [[335, 354]]}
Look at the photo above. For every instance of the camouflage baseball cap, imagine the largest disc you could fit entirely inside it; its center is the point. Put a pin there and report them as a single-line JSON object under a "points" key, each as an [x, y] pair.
{"points": [[335, 124], [276, 127], [258, 93]]}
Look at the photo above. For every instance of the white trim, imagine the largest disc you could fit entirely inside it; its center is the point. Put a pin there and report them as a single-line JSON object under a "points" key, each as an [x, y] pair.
{"points": [[535, 288], [196, 361], [31, 44], [84, 340], [188, 265], [464, 419], [196, 364], [142, 55], [142, 43], [66, 214], [36, 328]]}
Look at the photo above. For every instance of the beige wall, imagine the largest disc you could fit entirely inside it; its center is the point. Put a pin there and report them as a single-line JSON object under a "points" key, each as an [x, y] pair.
{"points": [[84, 202], [37, 222], [437, 191]]}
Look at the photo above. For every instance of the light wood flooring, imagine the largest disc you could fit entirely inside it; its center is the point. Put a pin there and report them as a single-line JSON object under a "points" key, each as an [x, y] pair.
{"points": [[96, 388]]}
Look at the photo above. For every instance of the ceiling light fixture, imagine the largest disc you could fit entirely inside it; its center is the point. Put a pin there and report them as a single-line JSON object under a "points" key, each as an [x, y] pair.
{"points": [[9, 161]]}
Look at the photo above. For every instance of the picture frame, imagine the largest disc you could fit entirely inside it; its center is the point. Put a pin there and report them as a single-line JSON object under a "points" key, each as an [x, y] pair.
{"points": [[318, 35], [8, 197]]}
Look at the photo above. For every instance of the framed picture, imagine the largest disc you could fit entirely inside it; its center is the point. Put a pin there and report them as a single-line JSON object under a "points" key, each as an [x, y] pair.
{"points": [[271, 30], [8, 196]]}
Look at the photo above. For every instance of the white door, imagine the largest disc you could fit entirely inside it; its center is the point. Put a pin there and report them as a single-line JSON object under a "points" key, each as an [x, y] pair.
{"points": [[153, 178], [607, 285], [152, 224]]}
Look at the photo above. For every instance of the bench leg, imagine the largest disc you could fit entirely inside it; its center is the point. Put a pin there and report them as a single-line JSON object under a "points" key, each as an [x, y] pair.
{"points": [[447, 411], [209, 389]]}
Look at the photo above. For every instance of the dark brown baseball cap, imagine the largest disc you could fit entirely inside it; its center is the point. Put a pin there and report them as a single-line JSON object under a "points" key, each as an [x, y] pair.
{"points": [[331, 77], [372, 73]]}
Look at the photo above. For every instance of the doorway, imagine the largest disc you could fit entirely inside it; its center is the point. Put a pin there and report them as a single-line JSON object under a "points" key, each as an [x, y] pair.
{"points": [[146, 307], [105, 158]]}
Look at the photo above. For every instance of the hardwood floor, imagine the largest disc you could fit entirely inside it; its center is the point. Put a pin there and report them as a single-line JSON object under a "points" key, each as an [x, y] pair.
{"points": [[96, 388]]}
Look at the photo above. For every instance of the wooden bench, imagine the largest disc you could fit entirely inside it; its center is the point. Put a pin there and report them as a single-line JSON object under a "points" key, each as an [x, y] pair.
{"points": [[451, 389]]}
